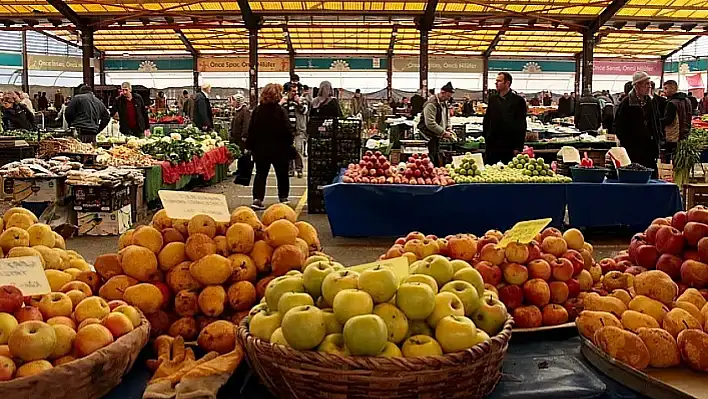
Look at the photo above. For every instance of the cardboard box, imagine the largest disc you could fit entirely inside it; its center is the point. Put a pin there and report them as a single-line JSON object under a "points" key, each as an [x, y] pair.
{"points": [[100, 198], [40, 189], [104, 223]]}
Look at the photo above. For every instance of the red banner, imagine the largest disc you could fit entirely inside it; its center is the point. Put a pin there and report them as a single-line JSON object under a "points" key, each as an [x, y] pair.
{"points": [[653, 68], [695, 81]]}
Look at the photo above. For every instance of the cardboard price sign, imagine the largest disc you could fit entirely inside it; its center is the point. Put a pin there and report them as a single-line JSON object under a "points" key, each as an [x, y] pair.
{"points": [[524, 232], [185, 205], [476, 157], [399, 266], [25, 273], [570, 154]]}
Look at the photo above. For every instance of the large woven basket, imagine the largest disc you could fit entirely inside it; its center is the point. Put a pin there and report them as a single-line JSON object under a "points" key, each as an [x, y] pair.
{"points": [[289, 373], [90, 377]]}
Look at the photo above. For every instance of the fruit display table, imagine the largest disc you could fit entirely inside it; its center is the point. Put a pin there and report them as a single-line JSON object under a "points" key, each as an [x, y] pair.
{"points": [[621, 204]]}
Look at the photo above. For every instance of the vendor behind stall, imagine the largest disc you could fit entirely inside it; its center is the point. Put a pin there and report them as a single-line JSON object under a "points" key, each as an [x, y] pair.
{"points": [[434, 124], [504, 122], [588, 114], [16, 115], [132, 112], [677, 116], [87, 114]]}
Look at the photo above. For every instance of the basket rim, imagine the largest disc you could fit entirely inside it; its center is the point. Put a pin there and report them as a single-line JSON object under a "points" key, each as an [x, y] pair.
{"points": [[473, 354]]}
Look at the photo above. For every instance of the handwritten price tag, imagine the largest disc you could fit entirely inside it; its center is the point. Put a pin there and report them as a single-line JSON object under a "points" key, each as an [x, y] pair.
{"points": [[399, 266], [186, 204], [478, 160], [523, 232], [25, 273]]}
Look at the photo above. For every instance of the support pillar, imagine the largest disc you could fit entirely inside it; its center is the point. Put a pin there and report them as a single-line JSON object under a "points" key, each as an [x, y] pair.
{"points": [[253, 67], [195, 73], [102, 69], [663, 64], [25, 64], [291, 57], [578, 72], [87, 55], [389, 77], [485, 79], [588, 49], [424, 36]]}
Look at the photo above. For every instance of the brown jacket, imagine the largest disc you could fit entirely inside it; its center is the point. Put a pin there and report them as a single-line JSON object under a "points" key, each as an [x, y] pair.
{"points": [[239, 126]]}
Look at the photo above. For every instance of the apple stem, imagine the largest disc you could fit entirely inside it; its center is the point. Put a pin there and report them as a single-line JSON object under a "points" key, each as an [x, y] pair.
{"points": [[602, 322], [685, 324]]}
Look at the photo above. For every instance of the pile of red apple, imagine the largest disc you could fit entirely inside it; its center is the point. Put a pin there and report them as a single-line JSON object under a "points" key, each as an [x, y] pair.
{"points": [[676, 245], [375, 168], [538, 282]]}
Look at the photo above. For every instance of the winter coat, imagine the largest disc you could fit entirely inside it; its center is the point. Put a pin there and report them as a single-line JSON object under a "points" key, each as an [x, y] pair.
{"points": [[637, 127], [203, 118], [270, 135], [329, 110], [435, 119], [141, 114], [588, 114], [504, 123], [87, 113], [18, 117], [677, 118], [239, 126]]}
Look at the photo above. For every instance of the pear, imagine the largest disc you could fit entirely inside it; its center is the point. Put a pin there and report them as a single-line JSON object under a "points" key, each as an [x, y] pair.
{"points": [[663, 350], [623, 346], [646, 305], [146, 297], [693, 296], [678, 320], [633, 321], [589, 321]]}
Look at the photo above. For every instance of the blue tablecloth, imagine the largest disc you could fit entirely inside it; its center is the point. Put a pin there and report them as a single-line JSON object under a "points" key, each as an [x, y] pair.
{"points": [[621, 204]]}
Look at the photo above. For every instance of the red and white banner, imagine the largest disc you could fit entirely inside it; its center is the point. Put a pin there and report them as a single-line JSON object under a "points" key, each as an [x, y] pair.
{"points": [[695, 81], [652, 68]]}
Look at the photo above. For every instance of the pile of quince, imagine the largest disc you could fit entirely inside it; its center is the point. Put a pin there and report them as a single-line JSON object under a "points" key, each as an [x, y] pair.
{"points": [[377, 312]]}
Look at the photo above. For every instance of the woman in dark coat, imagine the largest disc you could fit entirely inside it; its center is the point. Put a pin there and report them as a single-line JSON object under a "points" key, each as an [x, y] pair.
{"points": [[16, 115], [270, 140], [324, 105]]}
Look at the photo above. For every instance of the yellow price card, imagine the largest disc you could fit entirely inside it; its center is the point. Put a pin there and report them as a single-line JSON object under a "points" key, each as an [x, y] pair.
{"points": [[524, 232], [399, 266], [25, 273]]}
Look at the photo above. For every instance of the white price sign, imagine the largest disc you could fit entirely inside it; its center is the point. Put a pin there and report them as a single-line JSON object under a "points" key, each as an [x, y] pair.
{"points": [[186, 204], [25, 273], [570, 154]]}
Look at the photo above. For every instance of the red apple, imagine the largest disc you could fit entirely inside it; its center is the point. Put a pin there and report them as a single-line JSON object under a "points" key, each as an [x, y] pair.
{"points": [[537, 292], [671, 265], [637, 240], [491, 273], [694, 231], [534, 251], [573, 288], [539, 268], [400, 241], [636, 270], [679, 220], [554, 314], [661, 221], [669, 241], [651, 233], [623, 265], [695, 274], [492, 254], [515, 273], [28, 313], [11, 299], [574, 306], [482, 242], [415, 235], [559, 291], [576, 259], [431, 237], [511, 295], [702, 250], [621, 257], [647, 256], [562, 269], [550, 232], [527, 317], [698, 213], [548, 257], [607, 265]]}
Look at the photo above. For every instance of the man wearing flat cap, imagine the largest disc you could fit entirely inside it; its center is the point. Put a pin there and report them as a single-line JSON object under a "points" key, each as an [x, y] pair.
{"points": [[434, 123], [504, 122], [637, 123]]}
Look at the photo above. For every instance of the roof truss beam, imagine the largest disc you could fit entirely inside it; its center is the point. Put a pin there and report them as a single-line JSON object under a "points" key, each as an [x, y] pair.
{"points": [[392, 43], [683, 46], [607, 14], [187, 43], [251, 20], [428, 18], [68, 13], [288, 41]]}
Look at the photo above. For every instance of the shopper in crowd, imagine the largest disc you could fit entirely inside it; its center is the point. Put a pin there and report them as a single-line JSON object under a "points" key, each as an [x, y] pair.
{"points": [[132, 112], [564, 105], [294, 81], [358, 104], [203, 118], [34, 101], [588, 114], [637, 123], [467, 106], [25, 99], [270, 139], [694, 102], [417, 102], [187, 108], [43, 101], [573, 103], [297, 109], [324, 105], [703, 106], [504, 123], [160, 102], [16, 115], [62, 114], [535, 102], [181, 99], [676, 119], [240, 118], [435, 122], [547, 99], [307, 93], [87, 114], [659, 100], [58, 100]]}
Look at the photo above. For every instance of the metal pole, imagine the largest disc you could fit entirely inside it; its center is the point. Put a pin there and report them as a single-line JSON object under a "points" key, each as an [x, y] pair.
{"points": [[291, 57], [253, 66], [25, 64], [663, 63], [195, 73], [87, 55], [389, 77], [424, 62], [485, 79], [578, 72], [588, 48], [102, 71]]}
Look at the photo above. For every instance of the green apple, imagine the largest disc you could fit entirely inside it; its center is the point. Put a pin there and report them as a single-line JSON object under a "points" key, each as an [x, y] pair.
{"points": [[446, 304], [396, 321], [351, 302], [459, 264], [481, 337], [8, 324], [490, 293], [331, 324], [456, 333], [322, 304], [419, 327], [416, 300], [281, 285], [437, 267], [304, 327], [365, 335], [421, 345], [313, 276], [261, 307], [422, 278], [391, 350], [412, 269], [278, 338], [264, 323], [472, 276], [293, 273], [316, 258], [290, 300], [380, 282], [491, 315], [334, 344], [467, 294], [337, 281], [338, 266]]}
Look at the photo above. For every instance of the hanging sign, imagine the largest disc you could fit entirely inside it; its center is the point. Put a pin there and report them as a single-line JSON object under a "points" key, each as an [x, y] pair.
{"points": [[241, 64]]}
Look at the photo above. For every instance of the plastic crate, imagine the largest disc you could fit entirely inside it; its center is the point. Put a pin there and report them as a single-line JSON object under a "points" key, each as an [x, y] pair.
{"points": [[588, 175], [14, 154], [634, 176]]}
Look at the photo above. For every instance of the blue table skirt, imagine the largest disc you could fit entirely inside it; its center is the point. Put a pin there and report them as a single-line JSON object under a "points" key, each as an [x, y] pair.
{"points": [[621, 204]]}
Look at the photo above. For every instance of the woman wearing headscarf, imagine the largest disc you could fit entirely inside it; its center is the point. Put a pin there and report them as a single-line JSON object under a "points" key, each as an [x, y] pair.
{"points": [[270, 140], [324, 105], [16, 115], [239, 121], [25, 100]]}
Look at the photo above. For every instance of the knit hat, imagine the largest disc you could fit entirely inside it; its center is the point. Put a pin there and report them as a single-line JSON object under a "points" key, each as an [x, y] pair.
{"points": [[639, 76], [448, 88]]}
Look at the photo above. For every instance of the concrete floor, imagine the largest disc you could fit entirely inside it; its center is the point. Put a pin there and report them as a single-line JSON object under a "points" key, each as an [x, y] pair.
{"points": [[349, 251]]}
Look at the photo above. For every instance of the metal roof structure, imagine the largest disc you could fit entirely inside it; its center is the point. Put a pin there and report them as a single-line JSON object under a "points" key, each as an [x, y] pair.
{"points": [[625, 28]]}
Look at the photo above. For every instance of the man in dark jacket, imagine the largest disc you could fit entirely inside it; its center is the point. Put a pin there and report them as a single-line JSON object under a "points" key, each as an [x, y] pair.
{"points": [[637, 123], [676, 119], [564, 106], [588, 114], [417, 102], [43, 101], [203, 118], [694, 102], [58, 100], [87, 114], [504, 122], [132, 112]]}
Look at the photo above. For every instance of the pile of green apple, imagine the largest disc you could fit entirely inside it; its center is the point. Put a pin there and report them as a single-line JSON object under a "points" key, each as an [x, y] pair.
{"points": [[522, 169], [440, 307]]}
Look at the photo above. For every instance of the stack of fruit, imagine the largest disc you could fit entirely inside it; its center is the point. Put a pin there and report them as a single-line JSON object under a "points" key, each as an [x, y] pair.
{"points": [[522, 169], [374, 168], [540, 283], [442, 307], [649, 324], [187, 274]]}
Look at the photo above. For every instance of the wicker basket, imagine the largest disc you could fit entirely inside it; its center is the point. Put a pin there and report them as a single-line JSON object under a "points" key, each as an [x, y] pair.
{"points": [[289, 373], [90, 377]]}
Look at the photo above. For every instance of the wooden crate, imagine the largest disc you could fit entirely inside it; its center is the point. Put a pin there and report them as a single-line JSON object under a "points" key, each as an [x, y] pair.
{"points": [[665, 171], [695, 194]]}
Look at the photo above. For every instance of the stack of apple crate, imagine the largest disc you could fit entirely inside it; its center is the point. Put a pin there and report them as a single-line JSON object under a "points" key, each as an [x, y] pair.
{"points": [[347, 143], [321, 165]]}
